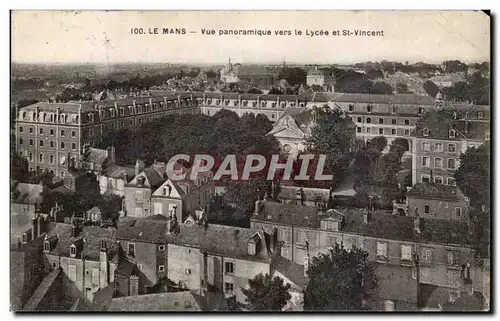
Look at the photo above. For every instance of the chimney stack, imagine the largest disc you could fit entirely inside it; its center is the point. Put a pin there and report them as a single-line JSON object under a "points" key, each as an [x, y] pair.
{"points": [[367, 215], [103, 265], [39, 226], [416, 225], [33, 228], [257, 207]]}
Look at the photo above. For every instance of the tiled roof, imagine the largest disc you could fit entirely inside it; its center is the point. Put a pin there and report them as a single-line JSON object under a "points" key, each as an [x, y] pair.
{"points": [[441, 122], [64, 107], [115, 171], [381, 225], [398, 99], [292, 270], [92, 235], [436, 191], [174, 301], [154, 178], [218, 239], [41, 291], [125, 267]]}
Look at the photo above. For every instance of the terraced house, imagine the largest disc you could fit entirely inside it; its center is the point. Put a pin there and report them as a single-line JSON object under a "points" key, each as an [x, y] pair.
{"points": [[414, 257]]}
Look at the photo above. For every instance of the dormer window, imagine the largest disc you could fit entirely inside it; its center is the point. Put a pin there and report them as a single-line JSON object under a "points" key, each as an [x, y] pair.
{"points": [[227, 102], [263, 104], [209, 101], [487, 136], [394, 109], [283, 105], [254, 104], [425, 132], [452, 133], [112, 111], [292, 104], [91, 117], [480, 115], [140, 181], [236, 103], [245, 103], [46, 246], [72, 250], [217, 102], [369, 108], [351, 108], [122, 111]]}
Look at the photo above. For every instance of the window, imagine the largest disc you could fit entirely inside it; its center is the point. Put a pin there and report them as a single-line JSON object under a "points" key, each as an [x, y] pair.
{"points": [[46, 247], [382, 249], [73, 146], [407, 132], [161, 248], [451, 163], [360, 120], [51, 143], [301, 237], [62, 174], [51, 131], [251, 248], [31, 130], [41, 131], [229, 267], [41, 158], [452, 133], [20, 141], [458, 211], [381, 131], [131, 249], [452, 258], [452, 148], [427, 209], [425, 132], [31, 142], [369, 108], [451, 181], [407, 122], [351, 107], [426, 255], [187, 271], [139, 197], [438, 147], [161, 268], [72, 250], [487, 135], [228, 287], [358, 129], [62, 145], [62, 132], [394, 121], [30, 156], [73, 133], [438, 180], [72, 272], [393, 131], [41, 143], [420, 110], [438, 162], [426, 146], [20, 129], [381, 121], [406, 252], [425, 161], [95, 276], [368, 130], [368, 120], [425, 178], [480, 115]]}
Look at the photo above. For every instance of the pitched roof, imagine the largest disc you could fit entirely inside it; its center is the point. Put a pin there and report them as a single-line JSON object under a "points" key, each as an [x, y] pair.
{"points": [[292, 270], [380, 225], [398, 99], [41, 291], [96, 155], [92, 235], [218, 239], [173, 301], [115, 171], [436, 191], [64, 107]]}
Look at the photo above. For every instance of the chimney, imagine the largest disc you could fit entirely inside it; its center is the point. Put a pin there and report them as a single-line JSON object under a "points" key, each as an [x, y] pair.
{"points": [[112, 154], [367, 216], [39, 226], [257, 207], [137, 167], [103, 265], [416, 225], [125, 177], [74, 231], [33, 228], [306, 259]]}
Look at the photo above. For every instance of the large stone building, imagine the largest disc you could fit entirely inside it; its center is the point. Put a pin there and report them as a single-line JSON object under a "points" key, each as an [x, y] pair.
{"points": [[52, 136], [446, 255], [319, 78], [440, 137]]}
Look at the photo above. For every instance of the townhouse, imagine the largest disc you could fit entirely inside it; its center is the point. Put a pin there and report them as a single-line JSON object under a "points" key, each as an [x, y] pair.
{"points": [[408, 252], [440, 137]]}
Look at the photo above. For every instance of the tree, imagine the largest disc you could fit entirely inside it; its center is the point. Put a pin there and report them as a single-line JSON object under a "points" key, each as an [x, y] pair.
{"points": [[399, 146], [381, 87], [452, 66], [402, 87], [255, 91], [339, 280], [473, 175], [266, 293], [293, 76], [378, 143], [110, 205], [431, 88], [275, 91]]}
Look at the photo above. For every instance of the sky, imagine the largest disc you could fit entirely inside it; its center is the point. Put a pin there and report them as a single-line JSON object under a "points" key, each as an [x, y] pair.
{"points": [[79, 36]]}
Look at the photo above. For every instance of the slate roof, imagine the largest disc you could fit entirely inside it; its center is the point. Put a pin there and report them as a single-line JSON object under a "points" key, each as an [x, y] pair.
{"points": [[381, 225], [26, 193], [292, 270], [64, 107], [125, 267], [115, 171], [154, 178], [92, 235], [174, 301], [436, 191], [301, 116], [217, 239], [398, 99], [96, 155], [41, 291]]}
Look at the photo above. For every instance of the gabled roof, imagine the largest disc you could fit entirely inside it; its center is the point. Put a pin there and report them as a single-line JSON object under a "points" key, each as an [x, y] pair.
{"points": [[41, 291], [292, 270]]}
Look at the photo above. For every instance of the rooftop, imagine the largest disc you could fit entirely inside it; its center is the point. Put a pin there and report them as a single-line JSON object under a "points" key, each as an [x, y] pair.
{"points": [[380, 225], [174, 301], [436, 191], [69, 108]]}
